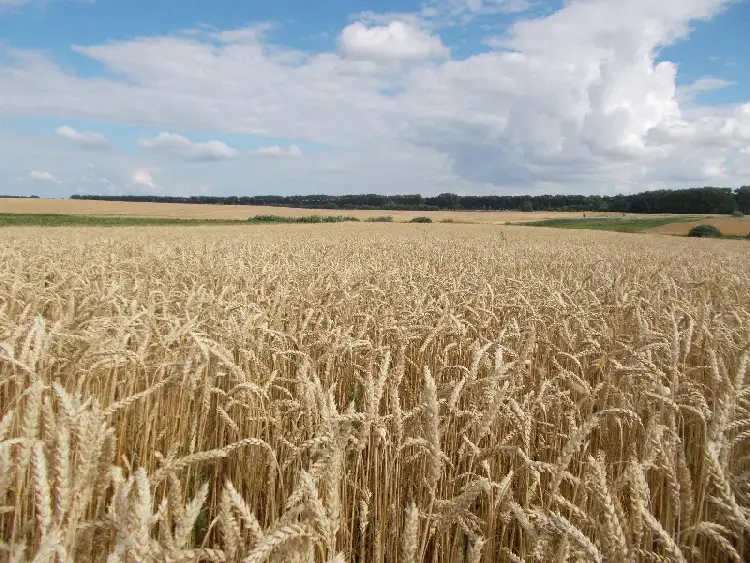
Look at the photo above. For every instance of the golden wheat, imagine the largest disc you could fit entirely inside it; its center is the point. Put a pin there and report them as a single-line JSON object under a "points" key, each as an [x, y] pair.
{"points": [[372, 393]]}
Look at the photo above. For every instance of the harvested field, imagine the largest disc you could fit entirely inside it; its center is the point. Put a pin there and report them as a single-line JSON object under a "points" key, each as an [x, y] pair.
{"points": [[372, 392], [727, 225], [201, 211]]}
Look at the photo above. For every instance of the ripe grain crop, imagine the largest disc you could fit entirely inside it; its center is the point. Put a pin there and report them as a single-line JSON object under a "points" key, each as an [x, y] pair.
{"points": [[242, 212], [365, 392]]}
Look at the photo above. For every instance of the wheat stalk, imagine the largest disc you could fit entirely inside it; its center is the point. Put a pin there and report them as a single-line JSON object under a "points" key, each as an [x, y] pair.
{"points": [[300, 394]]}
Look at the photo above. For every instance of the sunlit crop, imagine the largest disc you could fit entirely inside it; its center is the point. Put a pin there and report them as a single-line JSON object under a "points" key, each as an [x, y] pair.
{"points": [[367, 392]]}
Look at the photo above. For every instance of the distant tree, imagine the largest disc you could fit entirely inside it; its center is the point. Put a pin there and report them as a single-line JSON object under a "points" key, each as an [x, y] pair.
{"points": [[448, 201], [639, 205], [742, 198], [690, 201]]}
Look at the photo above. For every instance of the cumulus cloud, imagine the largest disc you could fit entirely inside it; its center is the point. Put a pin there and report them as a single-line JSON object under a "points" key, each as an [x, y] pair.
{"points": [[396, 41], [87, 139], [277, 150], [577, 91], [44, 176], [176, 145], [143, 177], [574, 100]]}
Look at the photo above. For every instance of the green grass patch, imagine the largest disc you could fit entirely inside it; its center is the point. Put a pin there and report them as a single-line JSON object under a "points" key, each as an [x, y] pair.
{"points": [[304, 219], [55, 220], [457, 222], [616, 224]]}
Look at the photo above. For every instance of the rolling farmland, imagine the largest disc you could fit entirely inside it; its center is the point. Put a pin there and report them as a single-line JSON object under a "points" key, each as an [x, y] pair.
{"points": [[239, 212]]}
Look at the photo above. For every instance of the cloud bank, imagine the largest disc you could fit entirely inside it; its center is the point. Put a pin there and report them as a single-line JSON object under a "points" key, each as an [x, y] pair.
{"points": [[576, 100]]}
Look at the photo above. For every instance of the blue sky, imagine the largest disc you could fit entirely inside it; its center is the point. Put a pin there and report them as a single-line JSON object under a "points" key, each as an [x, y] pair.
{"points": [[718, 47], [468, 96]]}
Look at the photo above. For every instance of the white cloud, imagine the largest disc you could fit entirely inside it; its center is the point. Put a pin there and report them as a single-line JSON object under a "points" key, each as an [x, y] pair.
{"points": [[575, 101], [276, 150], [176, 145], [689, 92], [143, 177], [250, 34], [396, 41], [464, 11], [578, 93], [369, 17], [87, 139], [44, 176]]}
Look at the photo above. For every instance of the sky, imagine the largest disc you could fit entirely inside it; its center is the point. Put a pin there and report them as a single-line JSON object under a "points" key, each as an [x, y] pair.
{"points": [[244, 97]]}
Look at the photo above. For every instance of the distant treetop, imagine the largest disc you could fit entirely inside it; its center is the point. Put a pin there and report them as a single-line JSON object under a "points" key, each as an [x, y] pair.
{"points": [[688, 201]]}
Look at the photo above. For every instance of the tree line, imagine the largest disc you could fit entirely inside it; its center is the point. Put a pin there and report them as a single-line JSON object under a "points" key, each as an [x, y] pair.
{"points": [[691, 201]]}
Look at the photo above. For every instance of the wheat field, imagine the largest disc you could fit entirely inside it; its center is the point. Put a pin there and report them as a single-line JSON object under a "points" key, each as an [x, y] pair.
{"points": [[372, 393], [239, 212]]}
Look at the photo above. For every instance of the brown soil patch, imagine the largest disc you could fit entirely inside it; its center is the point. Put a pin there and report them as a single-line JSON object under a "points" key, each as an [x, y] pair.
{"points": [[727, 225]]}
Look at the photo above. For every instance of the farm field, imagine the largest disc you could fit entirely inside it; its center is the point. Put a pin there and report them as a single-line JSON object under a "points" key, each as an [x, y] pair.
{"points": [[618, 224], [208, 211], [678, 225], [727, 225], [372, 392]]}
